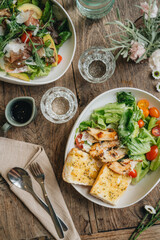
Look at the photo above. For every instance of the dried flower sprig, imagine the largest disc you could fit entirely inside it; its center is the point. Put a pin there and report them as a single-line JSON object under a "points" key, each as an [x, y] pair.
{"points": [[138, 43], [152, 215]]}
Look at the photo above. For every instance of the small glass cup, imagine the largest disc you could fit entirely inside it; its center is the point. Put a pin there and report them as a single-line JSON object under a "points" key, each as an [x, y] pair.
{"points": [[96, 64], [58, 105], [94, 9]]}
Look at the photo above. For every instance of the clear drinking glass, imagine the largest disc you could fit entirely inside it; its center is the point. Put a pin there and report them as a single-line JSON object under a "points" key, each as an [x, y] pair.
{"points": [[94, 9], [96, 64], [59, 105]]}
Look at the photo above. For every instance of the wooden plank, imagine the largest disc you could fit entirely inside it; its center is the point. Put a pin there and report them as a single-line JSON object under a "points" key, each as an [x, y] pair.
{"points": [[110, 219], [152, 233], [16, 222]]}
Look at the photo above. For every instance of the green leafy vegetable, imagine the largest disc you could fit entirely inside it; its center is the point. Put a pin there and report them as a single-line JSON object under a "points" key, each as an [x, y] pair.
{"points": [[141, 172], [155, 164], [111, 108], [158, 143], [64, 36], [126, 125], [21, 2], [152, 123], [112, 117], [126, 97], [47, 13], [136, 146], [6, 4], [37, 72], [84, 125], [146, 136], [63, 26]]}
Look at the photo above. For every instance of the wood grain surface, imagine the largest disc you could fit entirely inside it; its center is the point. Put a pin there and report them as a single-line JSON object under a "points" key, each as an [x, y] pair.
{"points": [[92, 221]]}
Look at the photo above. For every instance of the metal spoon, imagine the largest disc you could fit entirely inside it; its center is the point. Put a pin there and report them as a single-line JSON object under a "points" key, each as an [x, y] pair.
{"points": [[20, 178]]}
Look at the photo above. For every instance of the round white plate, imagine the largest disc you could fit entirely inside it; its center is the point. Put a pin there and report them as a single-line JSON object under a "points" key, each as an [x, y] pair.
{"points": [[67, 52], [136, 192]]}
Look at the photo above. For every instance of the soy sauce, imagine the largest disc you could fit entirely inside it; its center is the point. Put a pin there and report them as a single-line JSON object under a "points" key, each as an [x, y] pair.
{"points": [[21, 111]]}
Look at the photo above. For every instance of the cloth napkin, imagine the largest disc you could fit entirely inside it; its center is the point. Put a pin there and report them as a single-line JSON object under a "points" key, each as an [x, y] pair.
{"points": [[20, 154]]}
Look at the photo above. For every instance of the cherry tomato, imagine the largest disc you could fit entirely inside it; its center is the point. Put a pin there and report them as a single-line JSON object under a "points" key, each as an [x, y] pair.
{"points": [[152, 154], [78, 141], [25, 38], [156, 131], [143, 103], [59, 58], [145, 112], [133, 173], [141, 123], [154, 112]]}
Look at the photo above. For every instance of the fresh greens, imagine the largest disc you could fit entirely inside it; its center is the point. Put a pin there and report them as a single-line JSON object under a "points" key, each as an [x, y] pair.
{"points": [[64, 36], [48, 24], [137, 146], [123, 116], [155, 163], [126, 97], [100, 118], [35, 71], [152, 123], [47, 13]]}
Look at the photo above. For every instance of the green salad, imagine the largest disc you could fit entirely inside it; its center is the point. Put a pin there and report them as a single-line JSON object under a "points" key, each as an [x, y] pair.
{"points": [[31, 33], [138, 130]]}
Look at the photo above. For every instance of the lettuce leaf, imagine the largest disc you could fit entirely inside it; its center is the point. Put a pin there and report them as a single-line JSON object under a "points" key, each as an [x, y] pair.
{"points": [[146, 136], [112, 108], [141, 172], [155, 163], [152, 123], [126, 97], [35, 71], [137, 146], [84, 125], [126, 125], [47, 11]]}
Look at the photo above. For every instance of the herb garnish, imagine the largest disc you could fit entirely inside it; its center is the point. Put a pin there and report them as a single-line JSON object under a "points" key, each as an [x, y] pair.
{"points": [[153, 218]]}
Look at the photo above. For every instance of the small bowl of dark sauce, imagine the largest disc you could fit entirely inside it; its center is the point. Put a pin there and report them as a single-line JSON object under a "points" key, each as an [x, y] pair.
{"points": [[19, 112]]}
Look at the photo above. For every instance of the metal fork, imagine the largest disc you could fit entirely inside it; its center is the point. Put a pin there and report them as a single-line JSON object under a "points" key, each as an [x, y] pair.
{"points": [[40, 177]]}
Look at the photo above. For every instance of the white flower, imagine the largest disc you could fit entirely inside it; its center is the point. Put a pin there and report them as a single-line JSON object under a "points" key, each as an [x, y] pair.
{"points": [[137, 50], [158, 87], [154, 60], [150, 209], [149, 10], [156, 73]]}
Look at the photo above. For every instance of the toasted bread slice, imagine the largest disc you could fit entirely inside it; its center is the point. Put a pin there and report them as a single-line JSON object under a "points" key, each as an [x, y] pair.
{"points": [[103, 135], [80, 168], [109, 186]]}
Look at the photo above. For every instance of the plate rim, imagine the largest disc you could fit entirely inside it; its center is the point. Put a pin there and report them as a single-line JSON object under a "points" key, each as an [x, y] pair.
{"points": [[69, 138], [16, 81]]}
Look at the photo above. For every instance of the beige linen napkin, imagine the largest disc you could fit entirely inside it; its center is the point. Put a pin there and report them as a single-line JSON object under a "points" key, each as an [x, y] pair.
{"points": [[20, 154]]}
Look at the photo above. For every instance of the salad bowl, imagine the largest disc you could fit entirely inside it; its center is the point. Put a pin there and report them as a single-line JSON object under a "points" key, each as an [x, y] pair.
{"points": [[67, 51], [134, 193]]}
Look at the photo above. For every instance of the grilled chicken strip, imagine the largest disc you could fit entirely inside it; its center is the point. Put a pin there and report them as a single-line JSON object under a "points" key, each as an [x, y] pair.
{"points": [[5, 13], [107, 151], [86, 141], [98, 149], [123, 167], [103, 135]]}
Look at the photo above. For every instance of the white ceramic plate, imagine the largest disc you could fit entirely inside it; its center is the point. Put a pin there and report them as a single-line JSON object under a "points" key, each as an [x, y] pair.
{"points": [[67, 52], [134, 193]]}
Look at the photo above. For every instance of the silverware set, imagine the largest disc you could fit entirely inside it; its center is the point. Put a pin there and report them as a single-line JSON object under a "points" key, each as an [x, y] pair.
{"points": [[21, 179]]}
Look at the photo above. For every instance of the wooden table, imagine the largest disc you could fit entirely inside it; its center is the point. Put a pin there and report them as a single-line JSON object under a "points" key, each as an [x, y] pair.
{"points": [[92, 221]]}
